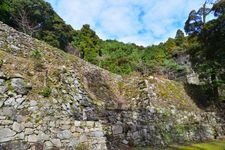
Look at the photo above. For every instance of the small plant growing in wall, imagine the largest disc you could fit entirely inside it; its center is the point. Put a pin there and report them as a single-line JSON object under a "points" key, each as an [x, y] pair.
{"points": [[46, 91], [9, 86], [37, 56]]}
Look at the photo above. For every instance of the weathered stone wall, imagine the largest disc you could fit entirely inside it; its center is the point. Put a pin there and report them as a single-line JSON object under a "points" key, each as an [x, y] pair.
{"points": [[46, 123], [79, 115], [160, 126], [70, 120]]}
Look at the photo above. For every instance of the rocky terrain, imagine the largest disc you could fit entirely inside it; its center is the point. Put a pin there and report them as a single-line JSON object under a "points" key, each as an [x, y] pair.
{"points": [[53, 100]]}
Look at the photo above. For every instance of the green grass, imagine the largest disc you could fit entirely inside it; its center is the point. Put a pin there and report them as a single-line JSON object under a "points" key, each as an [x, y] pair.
{"points": [[215, 145]]}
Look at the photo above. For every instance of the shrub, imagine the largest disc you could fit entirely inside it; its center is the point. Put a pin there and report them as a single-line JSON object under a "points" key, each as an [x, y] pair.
{"points": [[46, 91], [37, 54]]}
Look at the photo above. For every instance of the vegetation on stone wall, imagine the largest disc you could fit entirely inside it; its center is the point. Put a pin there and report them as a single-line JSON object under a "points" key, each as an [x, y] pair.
{"points": [[204, 43]]}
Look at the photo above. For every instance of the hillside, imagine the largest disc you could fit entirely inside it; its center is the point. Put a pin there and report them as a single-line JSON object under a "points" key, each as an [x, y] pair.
{"points": [[39, 20], [50, 98]]}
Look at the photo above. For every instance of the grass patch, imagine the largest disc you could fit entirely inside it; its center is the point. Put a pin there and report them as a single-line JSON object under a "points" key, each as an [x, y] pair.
{"points": [[46, 91], [214, 145]]}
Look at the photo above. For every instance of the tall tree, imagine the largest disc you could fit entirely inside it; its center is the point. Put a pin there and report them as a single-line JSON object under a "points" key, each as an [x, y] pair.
{"points": [[197, 19], [38, 19], [210, 53], [179, 38], [88, 43]]}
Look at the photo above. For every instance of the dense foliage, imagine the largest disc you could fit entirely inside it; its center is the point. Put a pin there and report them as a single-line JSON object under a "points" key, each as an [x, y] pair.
{"points": [[122, 58], [88, 43], [207, 45], [128, 58], [38, 19]]}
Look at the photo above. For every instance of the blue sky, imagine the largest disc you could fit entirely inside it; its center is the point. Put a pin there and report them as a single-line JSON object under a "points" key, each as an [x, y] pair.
{"points": [[143, 22]]}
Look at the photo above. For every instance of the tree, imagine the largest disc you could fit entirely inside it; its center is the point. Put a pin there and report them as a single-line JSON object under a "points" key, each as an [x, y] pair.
{"points": [[179, 34], [179, 38], [194, 23], [170, 45], [38, 19], [213, 39], [25, 24], [197, 19], [4, 11], [210, 53], [88, 43]]}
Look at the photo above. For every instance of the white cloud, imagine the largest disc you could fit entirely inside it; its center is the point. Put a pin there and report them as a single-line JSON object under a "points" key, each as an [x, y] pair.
{"points": [[143, 22]]}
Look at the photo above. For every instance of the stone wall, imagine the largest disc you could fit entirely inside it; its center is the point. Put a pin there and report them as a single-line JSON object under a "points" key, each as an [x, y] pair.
{"points": [[46, 123], [70, 120], [160, 126], [76, 114]]}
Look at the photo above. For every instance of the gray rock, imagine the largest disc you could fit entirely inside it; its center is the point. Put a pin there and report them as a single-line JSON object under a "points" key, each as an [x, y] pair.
{"points": [[11, 93], [29, 131], [193, 78], [17, 75], [73, 142], [42, 136], [28, 125], [83, 138], [66, 134], [2, 75], [3, 87], [65, 127], [152, 110], [33, 109], [33, 103], [56, 142], [2, 117], [10, 102], [32, 138], [77, 123], [48, 145], [65, 122], [117, 129], [90, 123], [125, 142], [136, 135], [21, 136], [14, 102], [17, 127], [8, 111], [52, 124], [15, 47], [6, 134], [97, 134], [20, 101], [6, 122], [2, 100], [19, 86]]}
